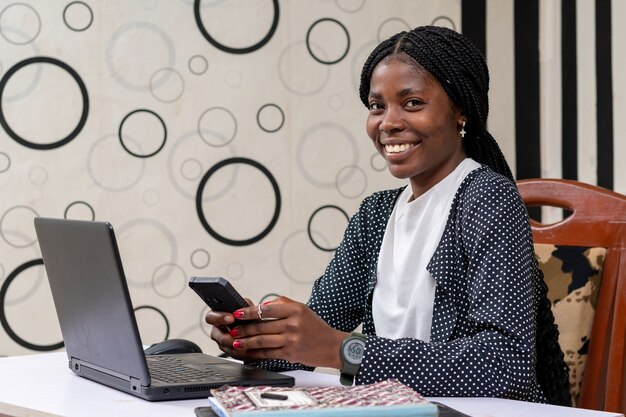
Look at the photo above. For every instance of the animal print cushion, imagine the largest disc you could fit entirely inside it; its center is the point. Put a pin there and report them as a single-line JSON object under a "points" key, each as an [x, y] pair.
{"points": [[573, 277]]}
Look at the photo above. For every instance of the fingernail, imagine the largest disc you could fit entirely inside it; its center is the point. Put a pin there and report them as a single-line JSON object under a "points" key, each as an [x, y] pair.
{"points": [[266, 302], [234, 332], [238, 314], [237, 344]]}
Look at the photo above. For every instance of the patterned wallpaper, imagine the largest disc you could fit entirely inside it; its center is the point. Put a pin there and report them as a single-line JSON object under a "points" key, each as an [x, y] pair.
{"points": [[225, 137], [218, 137]]}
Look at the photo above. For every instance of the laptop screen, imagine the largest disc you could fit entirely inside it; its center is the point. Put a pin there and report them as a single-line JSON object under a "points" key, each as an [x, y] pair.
{"points": [[90, 294]]}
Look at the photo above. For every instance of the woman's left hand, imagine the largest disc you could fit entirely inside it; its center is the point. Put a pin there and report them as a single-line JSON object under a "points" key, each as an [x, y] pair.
{"points": [[289, 330]]}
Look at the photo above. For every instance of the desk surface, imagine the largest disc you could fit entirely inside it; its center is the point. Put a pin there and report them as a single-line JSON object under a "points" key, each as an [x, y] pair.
{"points": [[44, 383]]}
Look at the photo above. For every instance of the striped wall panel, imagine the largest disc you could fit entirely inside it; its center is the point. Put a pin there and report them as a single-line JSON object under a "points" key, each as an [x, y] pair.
{"points": [[558, 85]]}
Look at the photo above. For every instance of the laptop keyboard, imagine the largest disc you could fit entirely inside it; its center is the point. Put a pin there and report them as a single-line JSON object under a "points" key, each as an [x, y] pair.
{"points": [[172, 370]]}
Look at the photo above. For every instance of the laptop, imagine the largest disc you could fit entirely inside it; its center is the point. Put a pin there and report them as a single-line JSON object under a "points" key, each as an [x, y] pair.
{"points": [[99, 328]]}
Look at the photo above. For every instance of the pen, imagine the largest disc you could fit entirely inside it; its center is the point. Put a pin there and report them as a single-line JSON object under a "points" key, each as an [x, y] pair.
{"points": [[272, 396]]}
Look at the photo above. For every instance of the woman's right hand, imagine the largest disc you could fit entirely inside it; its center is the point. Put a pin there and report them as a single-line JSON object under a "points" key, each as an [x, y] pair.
{"points": [[220, 333]]}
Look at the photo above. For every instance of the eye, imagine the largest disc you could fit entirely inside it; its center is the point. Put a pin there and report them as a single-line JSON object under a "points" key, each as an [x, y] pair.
{"points": [[375, 106], [414, 102]]}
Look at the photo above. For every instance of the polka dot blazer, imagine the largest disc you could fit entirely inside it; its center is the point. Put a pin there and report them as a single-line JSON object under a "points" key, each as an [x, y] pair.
{"points": [[484, 318]]}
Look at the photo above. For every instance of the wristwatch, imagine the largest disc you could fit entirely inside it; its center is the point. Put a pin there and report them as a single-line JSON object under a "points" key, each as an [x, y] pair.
{"points": [[351, 353]]}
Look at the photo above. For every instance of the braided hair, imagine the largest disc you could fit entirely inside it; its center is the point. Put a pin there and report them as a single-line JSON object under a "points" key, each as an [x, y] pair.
{"points": [[462, 72]]}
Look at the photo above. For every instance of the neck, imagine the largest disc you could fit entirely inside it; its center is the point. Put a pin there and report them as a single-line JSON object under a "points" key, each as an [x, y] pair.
{"points": [[420, 184]]}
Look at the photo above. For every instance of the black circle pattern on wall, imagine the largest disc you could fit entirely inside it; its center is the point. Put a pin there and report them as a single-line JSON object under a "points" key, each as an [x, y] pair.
{"points": [[160, 313], [3, 319], [171, 88], [203, 324], [264, 125], [351, 181], [22, 216], [444, 21], [35, 79], [184, 154], [303, 83], [217, 126], [298, 246], [332, 137], [232, 50], [136, 34], [83, 91], [5, 162], [378, 162], [108, 147], [205, 223], [309, 230], [5, 15], [164, 280], [200, 258], [308, 41], [121, 136], [269, 297], [73, 211], [350, 8], [74, 14], [390, 27], [198, 65], [135, 234]]}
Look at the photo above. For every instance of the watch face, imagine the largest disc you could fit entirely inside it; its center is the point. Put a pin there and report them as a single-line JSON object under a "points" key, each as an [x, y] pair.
{"points": [[353, 350]]}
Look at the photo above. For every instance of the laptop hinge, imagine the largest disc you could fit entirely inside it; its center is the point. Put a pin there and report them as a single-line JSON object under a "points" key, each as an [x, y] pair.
{"points": [[135, 384]]}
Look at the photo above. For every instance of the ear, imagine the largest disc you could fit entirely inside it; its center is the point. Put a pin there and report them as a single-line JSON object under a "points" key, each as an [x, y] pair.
{"points": [[459, 115]]}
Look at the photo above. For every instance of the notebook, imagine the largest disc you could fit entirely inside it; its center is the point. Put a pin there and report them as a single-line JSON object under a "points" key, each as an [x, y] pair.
{"points": [[99, 328]]}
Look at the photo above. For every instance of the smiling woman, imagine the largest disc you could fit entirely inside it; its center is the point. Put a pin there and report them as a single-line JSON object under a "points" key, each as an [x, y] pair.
{"points": [[440, 274], [413, 123]]}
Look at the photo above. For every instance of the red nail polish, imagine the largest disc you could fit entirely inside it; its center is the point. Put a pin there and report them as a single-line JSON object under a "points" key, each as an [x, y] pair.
{"points": [[238, 314], [266, 302], [237, 344], [234, 332]]}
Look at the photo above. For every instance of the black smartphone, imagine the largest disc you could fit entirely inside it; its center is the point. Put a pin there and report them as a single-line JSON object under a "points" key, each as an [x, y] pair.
{"points": [[218, 294]]}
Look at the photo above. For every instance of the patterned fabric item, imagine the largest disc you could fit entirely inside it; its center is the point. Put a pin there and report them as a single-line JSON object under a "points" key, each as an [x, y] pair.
{"points": [[573, 277], [382, 394]]}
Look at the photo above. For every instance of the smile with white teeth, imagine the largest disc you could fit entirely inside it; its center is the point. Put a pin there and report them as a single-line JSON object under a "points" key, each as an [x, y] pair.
{"points": [[398, 148]]}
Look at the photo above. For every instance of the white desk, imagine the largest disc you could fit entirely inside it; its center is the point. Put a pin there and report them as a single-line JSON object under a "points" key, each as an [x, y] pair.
{"points": [[45, 384]]}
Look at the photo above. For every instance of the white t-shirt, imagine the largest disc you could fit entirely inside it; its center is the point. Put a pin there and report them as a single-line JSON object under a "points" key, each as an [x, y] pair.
{"points": [[404, 294]]}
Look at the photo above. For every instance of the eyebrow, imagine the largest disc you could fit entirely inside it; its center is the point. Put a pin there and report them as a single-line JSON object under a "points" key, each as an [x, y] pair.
{"points": [[402, 93], [407, 91]]}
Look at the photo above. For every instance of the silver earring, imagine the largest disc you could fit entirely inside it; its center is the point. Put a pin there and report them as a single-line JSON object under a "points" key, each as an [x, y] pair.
{"points": [[462, 129]]}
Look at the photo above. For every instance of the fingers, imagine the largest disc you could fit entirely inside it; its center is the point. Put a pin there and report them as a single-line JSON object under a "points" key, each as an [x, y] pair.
{"points": [[260, 342], [219, 318], [257, 347], [225, 342], [279, 308], [258, 332], [221, 336], [258, 328]]}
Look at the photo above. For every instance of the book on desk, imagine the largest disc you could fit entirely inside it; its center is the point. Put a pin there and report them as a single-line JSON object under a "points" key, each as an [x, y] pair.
{"points": [[386, 398]]}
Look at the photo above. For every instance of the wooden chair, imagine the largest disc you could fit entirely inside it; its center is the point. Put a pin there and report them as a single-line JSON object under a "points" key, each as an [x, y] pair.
{"points": [[598, 219]]}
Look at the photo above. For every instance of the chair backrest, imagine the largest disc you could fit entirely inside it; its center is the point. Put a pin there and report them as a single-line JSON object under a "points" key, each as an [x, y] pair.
{"points": [[598, 219]]}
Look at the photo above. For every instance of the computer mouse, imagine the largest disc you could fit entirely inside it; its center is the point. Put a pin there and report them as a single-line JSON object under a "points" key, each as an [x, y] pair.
{"points": [[173, 346]]}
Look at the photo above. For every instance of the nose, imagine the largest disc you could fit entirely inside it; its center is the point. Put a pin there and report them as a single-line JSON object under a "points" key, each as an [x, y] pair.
{"points": [[392, 120]]}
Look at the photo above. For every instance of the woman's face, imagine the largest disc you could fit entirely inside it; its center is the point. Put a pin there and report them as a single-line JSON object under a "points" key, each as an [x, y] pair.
{"points": [[413, 124]]}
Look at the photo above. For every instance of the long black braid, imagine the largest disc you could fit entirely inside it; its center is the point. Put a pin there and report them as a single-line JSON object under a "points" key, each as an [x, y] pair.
{"points": [[461, 70]]}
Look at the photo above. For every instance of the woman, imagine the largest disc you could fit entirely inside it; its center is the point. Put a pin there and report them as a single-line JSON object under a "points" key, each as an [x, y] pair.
{"points": [[441, 274]]}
